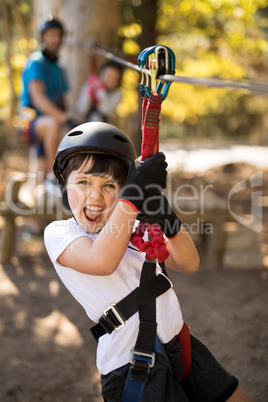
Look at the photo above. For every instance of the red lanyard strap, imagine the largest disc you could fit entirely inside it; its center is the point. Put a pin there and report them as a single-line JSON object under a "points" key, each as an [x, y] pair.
{"points": [[155, 248], [151, 115]]}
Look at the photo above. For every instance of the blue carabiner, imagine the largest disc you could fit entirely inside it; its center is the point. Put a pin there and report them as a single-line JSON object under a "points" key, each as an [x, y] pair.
{"points": [[144, 85], [168, 67], [164, 64], [142, 58]]}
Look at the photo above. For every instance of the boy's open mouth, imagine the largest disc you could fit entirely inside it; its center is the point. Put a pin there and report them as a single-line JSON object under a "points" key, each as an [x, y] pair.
{"points": [[93, 213]]}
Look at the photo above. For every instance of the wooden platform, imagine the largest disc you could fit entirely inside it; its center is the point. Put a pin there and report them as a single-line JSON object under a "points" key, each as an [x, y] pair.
{"points": [[13, 208]]}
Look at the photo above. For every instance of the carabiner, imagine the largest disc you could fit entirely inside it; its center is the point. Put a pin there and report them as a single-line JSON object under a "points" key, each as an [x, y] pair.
{"points": [[145, 73], [144, 85], [142, 58], [161, 61], [165, 64]]}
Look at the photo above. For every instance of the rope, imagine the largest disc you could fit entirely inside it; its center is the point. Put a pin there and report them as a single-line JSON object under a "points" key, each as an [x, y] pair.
{"points": [[258, 87], [155, 249]]}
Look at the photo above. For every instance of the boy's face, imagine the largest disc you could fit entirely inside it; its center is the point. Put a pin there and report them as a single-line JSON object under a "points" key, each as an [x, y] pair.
{"points": [[92, 197], [52, 40], [110, 78]]}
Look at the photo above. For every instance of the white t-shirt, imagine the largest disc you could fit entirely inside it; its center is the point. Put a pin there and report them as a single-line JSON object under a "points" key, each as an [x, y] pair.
{"points": [[107, 104], [96, 293]]}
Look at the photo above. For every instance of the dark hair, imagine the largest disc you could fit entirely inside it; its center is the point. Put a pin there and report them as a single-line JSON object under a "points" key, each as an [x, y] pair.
{"points": [[49, 23], [113, 64], [101, 164], [116, 66]]}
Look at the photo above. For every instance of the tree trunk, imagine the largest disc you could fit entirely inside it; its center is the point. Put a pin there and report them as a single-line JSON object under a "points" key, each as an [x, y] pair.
{"points": [[8, 40], [147, 16], [85, 21], [24, 28]]}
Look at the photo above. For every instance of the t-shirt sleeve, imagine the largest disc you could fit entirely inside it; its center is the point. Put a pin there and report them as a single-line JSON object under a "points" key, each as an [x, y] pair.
{"points": [[35, 71], [58, 235]]}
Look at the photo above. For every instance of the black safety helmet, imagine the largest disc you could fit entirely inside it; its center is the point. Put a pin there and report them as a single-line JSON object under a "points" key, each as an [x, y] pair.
{"points": [[92, 137], [49, 23]]}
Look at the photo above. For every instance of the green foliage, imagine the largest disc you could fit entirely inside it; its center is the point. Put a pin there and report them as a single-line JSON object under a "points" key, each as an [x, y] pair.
{"points": [[213, 38], [13, 28], [210, 38]]}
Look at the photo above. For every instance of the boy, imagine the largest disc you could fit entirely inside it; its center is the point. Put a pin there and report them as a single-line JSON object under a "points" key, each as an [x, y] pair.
{"points": [[101, 94], [106, 187]]}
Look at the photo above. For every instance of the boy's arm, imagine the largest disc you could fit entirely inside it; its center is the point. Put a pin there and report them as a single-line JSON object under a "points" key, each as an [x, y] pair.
{"points": [[183, 254], [41, 102], [102, 256]]}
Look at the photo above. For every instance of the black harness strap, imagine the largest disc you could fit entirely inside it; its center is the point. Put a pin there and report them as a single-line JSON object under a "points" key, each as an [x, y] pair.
{"points": [[142, 300], [143, 354], [140, 368], [116, 315]]}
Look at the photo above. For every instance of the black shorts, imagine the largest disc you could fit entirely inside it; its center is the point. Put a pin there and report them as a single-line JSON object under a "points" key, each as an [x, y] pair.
{"points": [[208, 381], [29, 135], [35, 140]]}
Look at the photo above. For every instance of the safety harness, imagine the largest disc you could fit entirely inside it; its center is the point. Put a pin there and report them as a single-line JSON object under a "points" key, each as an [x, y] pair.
{"points": [[143, 298]]}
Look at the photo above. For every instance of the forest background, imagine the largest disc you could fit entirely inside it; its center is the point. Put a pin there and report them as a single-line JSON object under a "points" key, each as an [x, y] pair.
{"points": [[46, 351], [210, 38]]}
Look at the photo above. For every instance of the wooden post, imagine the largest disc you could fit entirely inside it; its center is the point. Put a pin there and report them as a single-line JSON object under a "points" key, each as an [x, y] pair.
{"points": [[8, 234]]}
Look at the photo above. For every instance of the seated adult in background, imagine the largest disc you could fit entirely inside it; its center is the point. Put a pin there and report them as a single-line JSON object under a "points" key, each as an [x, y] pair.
{"points": [[43, 100]]}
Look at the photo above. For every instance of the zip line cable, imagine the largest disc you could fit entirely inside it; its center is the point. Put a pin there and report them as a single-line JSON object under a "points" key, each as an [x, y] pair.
{"points": [[217, 83], [102, 52], [258, 87]]}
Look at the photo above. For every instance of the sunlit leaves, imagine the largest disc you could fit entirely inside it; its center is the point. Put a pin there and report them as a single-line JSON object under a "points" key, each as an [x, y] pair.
{"points": [[212, 38], [130, 47], [130, 31], [130, 99]]}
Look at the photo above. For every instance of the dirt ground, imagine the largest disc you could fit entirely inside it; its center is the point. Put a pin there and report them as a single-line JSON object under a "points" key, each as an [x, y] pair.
{"points": [[47, 353]]}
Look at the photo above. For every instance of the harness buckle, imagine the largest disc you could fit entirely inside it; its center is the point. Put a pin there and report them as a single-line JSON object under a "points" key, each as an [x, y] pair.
{"points": [[141, 357], [113, 318]]}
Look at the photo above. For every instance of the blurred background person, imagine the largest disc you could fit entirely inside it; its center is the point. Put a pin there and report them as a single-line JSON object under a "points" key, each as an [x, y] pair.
{"points": [[43, 103], [101, 94]]}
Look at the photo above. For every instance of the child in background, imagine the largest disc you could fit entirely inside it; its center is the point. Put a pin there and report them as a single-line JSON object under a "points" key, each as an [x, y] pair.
{"points": [[106, 188], [100, 95]]}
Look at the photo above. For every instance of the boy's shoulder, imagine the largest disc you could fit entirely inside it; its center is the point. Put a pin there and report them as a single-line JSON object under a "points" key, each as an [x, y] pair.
{"points": [[60, 225]]}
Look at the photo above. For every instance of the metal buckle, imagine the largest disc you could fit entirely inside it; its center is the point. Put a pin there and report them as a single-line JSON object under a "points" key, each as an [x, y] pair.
{"points": [[117, 315], [166, 277], [142, 354]]}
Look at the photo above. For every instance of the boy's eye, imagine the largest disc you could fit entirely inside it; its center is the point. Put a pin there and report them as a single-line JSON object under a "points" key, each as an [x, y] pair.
{"points": [[110, 185], [85, 182]]}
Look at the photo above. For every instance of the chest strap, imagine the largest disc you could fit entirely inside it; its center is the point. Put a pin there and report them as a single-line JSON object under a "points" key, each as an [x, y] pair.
{"points": [[116, 315]]}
